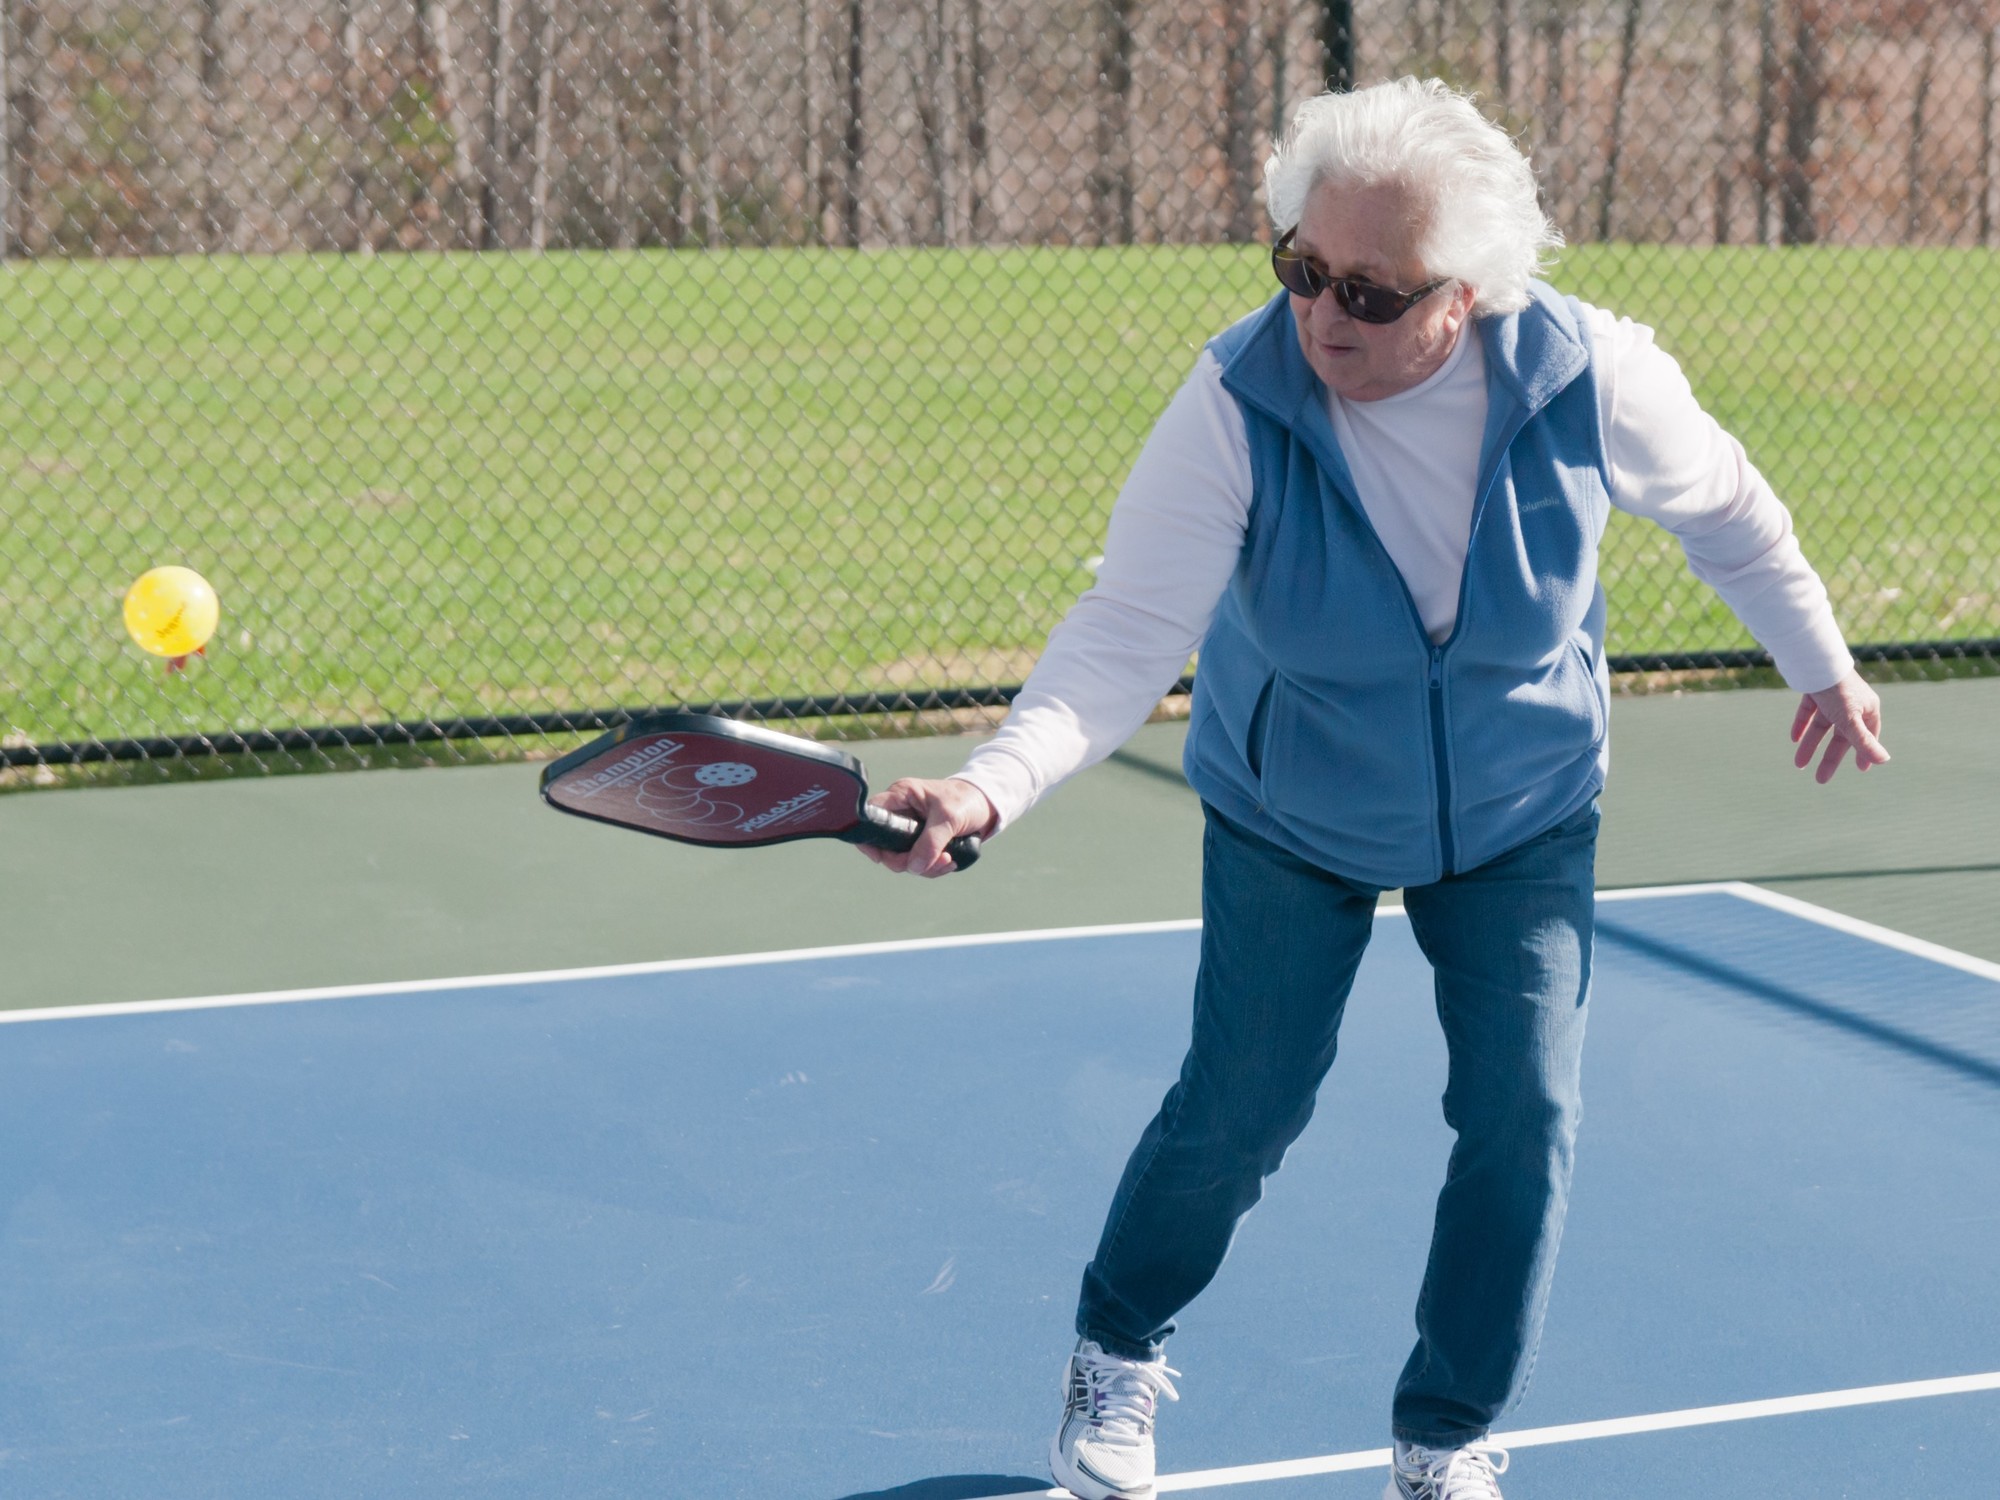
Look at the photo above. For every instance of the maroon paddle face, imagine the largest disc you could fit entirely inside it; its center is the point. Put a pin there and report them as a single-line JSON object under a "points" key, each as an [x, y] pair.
{"points": [[708, 780], [708, 789]]}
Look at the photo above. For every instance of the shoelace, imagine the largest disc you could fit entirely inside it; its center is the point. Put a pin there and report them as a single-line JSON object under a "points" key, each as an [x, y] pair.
{"points": [[1468, 1473], [1123, 1393]]}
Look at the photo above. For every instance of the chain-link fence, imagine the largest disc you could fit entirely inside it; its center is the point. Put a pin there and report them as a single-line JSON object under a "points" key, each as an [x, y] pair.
{"points": [[507, 363]]}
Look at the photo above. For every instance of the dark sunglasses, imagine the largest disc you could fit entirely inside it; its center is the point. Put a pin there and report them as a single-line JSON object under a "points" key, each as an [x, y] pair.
{"points": [[1363, 301]]}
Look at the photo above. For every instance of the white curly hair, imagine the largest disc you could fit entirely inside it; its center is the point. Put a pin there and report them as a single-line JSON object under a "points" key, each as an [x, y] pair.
{"points": [[1482, 221]]}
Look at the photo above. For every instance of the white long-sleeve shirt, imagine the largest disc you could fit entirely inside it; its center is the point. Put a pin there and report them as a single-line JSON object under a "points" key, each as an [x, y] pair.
{"points": [[1179, 523]]}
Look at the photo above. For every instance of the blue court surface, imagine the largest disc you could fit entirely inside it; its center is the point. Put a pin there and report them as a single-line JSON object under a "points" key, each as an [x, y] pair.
{"points": [[809, 1227]]}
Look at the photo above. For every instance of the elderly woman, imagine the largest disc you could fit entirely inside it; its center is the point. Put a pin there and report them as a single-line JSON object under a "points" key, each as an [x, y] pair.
{"points": [[1375, 507]]}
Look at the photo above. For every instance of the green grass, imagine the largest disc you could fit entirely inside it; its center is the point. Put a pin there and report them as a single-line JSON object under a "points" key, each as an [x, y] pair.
{"points": [[430, 485]]}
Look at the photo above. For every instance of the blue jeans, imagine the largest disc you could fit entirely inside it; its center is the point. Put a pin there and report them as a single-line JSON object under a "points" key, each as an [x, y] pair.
{"points": [[1510, 944]]}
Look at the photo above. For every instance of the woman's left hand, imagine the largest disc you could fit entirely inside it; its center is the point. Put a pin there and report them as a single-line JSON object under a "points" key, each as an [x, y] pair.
{"points": [[1851, 712]]}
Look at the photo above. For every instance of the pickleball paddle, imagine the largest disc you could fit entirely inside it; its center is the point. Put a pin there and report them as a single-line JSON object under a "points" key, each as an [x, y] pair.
{"points": [[708, 780]]}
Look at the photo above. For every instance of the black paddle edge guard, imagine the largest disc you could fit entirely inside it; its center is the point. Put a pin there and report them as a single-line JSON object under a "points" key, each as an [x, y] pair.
{"points": [[405, 732]]}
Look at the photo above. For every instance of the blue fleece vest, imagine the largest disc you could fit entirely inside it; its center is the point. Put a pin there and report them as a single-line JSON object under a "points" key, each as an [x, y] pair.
{"points": [[1324, 718]]}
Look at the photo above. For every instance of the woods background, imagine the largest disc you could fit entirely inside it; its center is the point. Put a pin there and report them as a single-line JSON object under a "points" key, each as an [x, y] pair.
{"points": [[372, 125]]}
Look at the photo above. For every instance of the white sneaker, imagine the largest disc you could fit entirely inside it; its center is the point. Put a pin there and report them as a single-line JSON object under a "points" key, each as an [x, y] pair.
{"points": [[1104, 1448], [1466, 1473]]}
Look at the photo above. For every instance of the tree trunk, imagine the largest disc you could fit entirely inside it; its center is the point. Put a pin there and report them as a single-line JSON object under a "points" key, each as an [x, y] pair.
{"points": [[1239, 120], [448, 109], [613, 87], [1767, 112], [1336, 43], [708, 177], [1989, 212], [1503, 50], [1725, 115], [810, 201], [931, 87], [617, 195], [1553, 25], [542, 109], [979, 170], [851, 142], [217, 214], [1607, 192], [354, 145], [7, 237], [1277, 51], [1111, 184], [677, 171], [1797, 225], [496, 195], [23, 124], [1913, 164]]}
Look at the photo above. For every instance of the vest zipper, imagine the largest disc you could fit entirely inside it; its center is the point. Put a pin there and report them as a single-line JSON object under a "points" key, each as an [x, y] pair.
{"points": [[1440, 755]]}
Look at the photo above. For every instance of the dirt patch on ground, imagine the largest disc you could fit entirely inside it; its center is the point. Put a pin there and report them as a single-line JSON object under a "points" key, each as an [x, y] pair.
{"points": [[957, 669]]}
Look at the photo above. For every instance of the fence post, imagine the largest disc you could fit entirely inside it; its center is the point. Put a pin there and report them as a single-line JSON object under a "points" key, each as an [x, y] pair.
{"points": [[1336, 44]]}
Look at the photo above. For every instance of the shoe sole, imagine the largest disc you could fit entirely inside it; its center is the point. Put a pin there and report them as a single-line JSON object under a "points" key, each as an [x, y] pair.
{"points": [[1083, 1488]]}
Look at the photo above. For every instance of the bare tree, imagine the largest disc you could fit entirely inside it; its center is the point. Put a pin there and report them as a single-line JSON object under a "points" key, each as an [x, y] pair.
{"points": [[1768, 79], [1111, 183], [6, 129], [673, 133], [934, 81], [354, 131], [1277, 52], [707, 172], [1552, 26], [851, 142], [1239, 119], [1725, 115], [612, 99], [979, 171], [1989, 98], [1913, 163], [496, 195], [811, 188], [1607, 189], [541, 111], [1807, 89], [22, 132], [217, 214], [448, 109]]}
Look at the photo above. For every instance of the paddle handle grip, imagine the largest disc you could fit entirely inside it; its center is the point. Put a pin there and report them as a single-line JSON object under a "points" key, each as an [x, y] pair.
{"points": [[887, 830]]}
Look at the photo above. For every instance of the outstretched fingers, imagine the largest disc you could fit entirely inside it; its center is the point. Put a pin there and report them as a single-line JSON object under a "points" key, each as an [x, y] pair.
{"points": [[1847, 719]]}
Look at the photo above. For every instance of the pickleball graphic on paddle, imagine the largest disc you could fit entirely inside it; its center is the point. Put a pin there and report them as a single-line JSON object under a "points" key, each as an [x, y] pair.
{"points": [[684, 794]]}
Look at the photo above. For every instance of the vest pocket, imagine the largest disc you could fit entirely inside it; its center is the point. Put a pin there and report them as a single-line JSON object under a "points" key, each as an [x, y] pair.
{"points": [[1583, 656], [1257, 739]]}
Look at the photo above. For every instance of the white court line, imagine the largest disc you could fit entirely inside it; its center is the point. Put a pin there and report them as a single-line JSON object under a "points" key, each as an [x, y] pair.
{"points": [[603, 971], [1572, 1432], [1791, 905], [1888, 937]]}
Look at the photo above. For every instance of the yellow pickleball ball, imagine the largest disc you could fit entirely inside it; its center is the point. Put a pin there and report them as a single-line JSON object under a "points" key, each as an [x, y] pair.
{"points": [[171, 611]]}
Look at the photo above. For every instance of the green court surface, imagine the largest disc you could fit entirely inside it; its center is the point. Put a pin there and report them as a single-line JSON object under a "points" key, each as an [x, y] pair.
{"points": [[213, 888]]}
